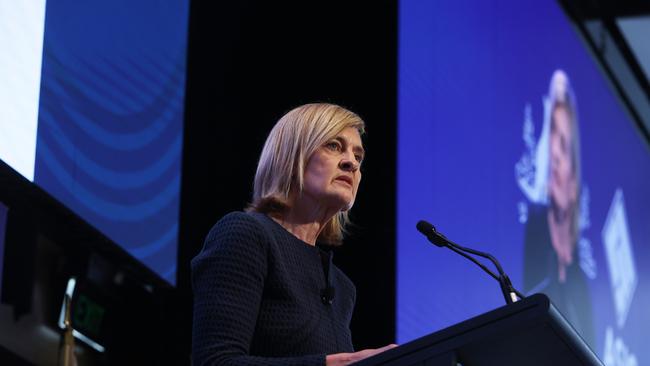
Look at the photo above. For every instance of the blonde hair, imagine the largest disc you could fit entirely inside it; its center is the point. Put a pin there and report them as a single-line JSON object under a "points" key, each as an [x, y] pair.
{"points": [[562, 97], [290, 144]]}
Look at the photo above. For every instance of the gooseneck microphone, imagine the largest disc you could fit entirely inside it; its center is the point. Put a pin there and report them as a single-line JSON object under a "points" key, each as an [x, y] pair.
{"points": [[509, 293]]}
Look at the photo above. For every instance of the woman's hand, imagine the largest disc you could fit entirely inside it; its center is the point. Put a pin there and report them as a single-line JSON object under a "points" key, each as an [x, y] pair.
{"points": [[342, 359]]}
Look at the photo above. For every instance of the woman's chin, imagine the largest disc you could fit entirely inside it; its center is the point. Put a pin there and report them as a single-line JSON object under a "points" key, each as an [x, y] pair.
{"points": [[348, 206], [344, 203]]}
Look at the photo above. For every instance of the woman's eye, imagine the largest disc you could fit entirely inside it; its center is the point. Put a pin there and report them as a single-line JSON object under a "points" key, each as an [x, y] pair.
{"points": [[359, 158], [334, 146]]}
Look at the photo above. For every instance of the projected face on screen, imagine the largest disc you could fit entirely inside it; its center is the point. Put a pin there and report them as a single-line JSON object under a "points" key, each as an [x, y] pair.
{"points": [[552, 228], [563, 182], [526, 153]]}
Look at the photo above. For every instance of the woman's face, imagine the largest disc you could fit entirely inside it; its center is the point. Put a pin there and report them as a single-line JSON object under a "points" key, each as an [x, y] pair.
{"points": [[563, 185], [332, 173]]}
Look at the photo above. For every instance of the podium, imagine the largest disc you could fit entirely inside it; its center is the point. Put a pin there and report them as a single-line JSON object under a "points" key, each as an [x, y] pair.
{"points": [[530, 332]]}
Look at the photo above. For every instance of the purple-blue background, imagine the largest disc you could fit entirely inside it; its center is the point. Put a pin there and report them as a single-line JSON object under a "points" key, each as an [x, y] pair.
{"points": [[467, 69]]}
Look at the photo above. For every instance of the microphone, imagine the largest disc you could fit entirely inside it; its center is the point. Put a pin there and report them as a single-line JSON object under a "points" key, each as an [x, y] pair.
{"points": [[327, 295], [510, 294]]}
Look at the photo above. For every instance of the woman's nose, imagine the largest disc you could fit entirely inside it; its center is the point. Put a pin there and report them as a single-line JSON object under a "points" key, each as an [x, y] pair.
{"points": [[348, 164]]}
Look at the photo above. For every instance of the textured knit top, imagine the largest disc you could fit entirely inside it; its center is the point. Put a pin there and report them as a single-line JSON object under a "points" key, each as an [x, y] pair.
{"points": [[264, 297]]}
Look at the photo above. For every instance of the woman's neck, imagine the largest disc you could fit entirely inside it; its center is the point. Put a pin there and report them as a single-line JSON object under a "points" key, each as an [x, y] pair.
{"points": [[305, 219], [562, 240]]}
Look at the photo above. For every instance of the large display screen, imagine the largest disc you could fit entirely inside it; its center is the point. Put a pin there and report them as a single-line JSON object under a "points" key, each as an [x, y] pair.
{"points": [[511, 141], [96, 94]]}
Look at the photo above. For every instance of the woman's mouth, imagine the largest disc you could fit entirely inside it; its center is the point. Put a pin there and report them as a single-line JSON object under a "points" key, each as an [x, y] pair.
{"points": [[345, 179]]}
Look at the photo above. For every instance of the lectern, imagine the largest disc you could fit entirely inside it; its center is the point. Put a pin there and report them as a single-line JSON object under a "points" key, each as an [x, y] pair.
{"points": [[530, 332]]}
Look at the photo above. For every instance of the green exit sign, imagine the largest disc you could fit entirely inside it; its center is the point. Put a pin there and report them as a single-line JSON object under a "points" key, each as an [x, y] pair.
{"points": [[87, 315]]}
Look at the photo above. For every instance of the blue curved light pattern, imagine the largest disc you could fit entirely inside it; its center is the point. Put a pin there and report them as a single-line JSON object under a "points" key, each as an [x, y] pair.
{"points": [[156, 245], [110, 177], [102, 207], [111, 118], [122, 141], [141, 77]]}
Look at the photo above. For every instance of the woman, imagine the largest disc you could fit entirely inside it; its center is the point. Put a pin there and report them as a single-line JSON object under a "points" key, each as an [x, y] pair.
{"points": [[264, 293], [553, 230]]}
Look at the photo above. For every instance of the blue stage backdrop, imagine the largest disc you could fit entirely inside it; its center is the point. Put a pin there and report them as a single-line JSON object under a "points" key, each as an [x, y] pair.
{"points": [[107, 139], [512, 142], [110, 119]]}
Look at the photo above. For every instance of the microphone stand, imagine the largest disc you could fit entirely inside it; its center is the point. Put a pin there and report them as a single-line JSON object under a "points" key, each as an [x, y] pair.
{"points": [[510, 294]]}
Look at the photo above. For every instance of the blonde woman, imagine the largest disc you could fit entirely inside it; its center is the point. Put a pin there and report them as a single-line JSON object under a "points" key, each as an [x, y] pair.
{"points": [[551, 259], [264, 292]]}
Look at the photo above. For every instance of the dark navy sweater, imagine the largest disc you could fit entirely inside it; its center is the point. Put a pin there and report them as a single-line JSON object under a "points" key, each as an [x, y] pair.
{"points": [[258, 297]]}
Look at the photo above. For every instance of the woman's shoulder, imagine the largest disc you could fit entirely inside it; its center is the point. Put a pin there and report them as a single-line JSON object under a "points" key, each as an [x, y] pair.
{"points": [[237, 222], [236, 227], [237, 234]]}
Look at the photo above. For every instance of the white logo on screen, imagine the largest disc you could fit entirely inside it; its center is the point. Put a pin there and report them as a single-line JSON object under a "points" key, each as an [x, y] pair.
{"points": [[616, 351], [618, 249], [531, 171]]}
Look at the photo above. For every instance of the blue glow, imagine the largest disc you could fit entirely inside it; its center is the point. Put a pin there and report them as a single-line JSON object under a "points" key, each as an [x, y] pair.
{"points": [[474, 145], [110, 132]]}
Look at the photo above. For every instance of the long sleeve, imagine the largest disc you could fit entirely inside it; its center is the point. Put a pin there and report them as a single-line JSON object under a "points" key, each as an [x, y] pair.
{"points": [[228, 279]]}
